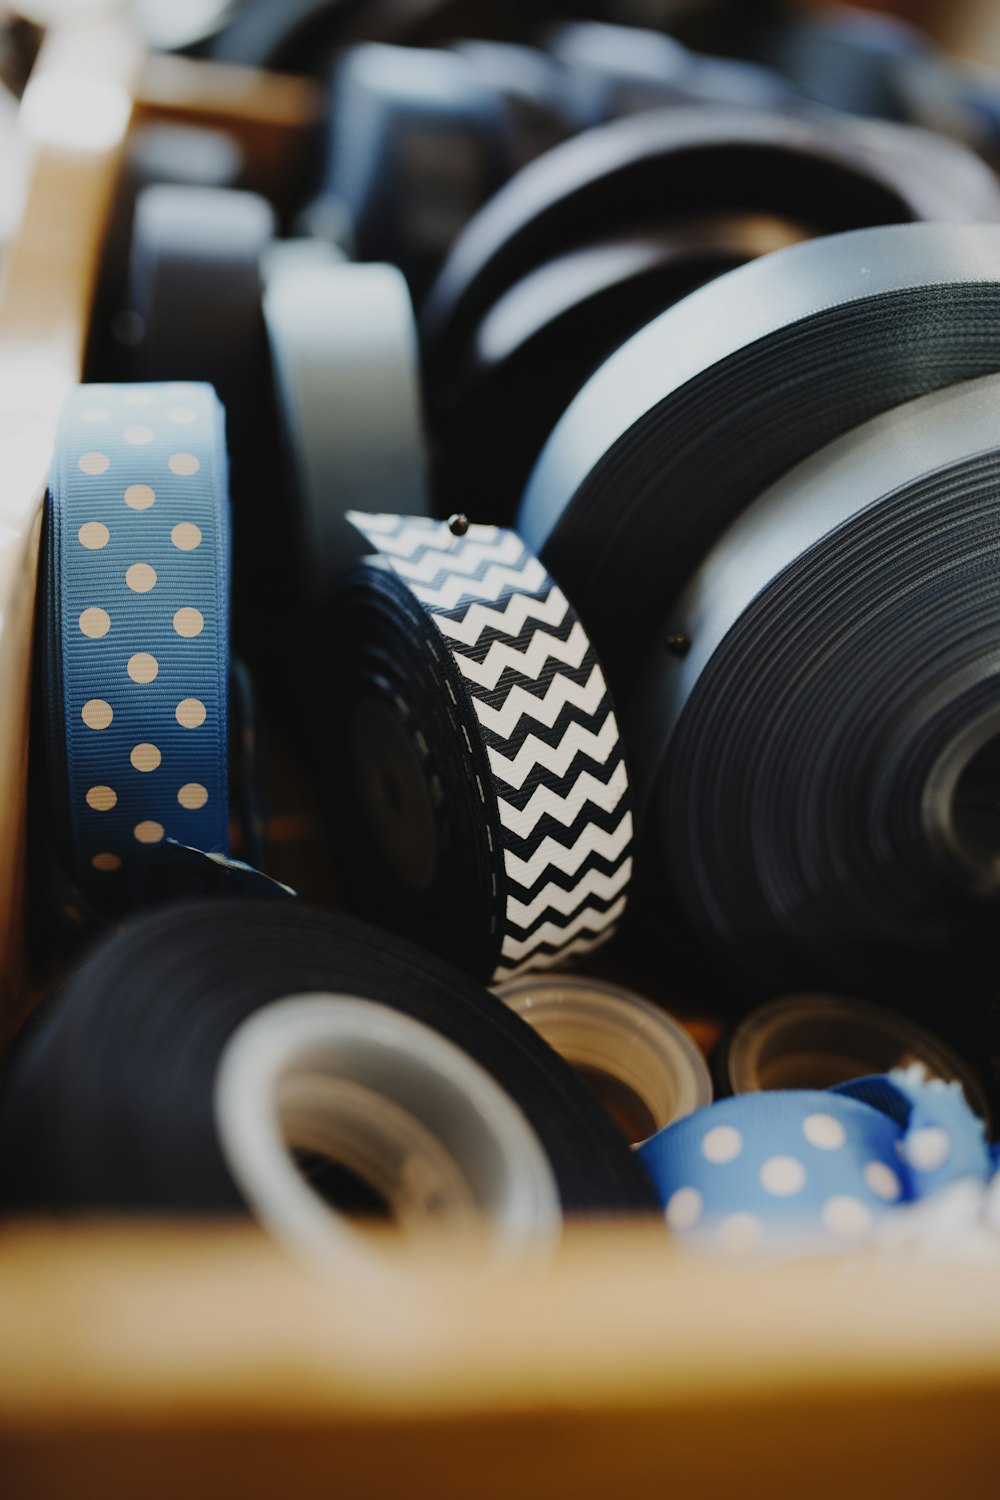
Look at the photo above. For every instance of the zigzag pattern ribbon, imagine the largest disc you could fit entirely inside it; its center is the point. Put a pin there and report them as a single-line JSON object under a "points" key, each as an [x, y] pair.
{"points": [[136, 610], [543, 712]]}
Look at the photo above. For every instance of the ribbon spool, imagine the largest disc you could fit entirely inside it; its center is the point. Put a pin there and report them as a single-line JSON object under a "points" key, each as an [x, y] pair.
{"points": [[648, 170], [115, 1099], [195, 294], [808, 1171], [611, 71], [827, 799], [472, 764], [530, 84], [538, 344], [416, 144], [347, 383], [636, 1060], [847, 60], [698, 412], [817, 1041]]}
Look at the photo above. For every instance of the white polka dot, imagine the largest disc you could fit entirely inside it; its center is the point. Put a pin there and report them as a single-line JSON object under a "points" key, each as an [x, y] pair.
{"points": [[192, 796], [142, 667], [846, 1215], [782, 1176], [149, 832], [928, 1149], [94, 463], [145, 757], [722, 1143], [824, 1131], [739, 1234], [93, 536], [95, 414], [140, 578], [684, 1209], [189, 622], [138, 436], [186, 536], [138, 397], [182, 415], [882, 1181], [184, 464], [106, 862], [95, 622], [190, 713], [102, 798], [96, 714], [140, 496]]}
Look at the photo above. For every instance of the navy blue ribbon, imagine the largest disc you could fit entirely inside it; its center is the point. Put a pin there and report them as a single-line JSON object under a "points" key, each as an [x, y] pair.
{"points": [[136, 602]]}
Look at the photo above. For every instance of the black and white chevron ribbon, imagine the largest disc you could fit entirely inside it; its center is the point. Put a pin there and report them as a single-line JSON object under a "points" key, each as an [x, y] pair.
{"points": [[543, 713]]}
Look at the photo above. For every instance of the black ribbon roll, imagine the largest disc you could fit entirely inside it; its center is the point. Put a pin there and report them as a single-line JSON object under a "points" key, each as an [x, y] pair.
{"points": [[543, 338], [110, 1098], [827, 800], [469, 750], [657, 167], [416, 143], [689, 420], [612, 71]]}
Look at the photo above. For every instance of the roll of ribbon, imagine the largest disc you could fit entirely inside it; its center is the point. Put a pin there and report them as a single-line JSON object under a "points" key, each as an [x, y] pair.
{"points": [[541, 340], [649, 170], [613, 71], [195, 293], [471, 757], [846, 59], [416, 144], [690, 419], [638, 1061], [347, 383], [817, 1041], [135, 631], [530, 84], [194, 285], [809, 1170], [113, 1096], [827, 801]]}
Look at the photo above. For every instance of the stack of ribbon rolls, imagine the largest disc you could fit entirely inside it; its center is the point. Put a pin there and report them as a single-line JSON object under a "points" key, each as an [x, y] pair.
{"points": [[615, 458]]}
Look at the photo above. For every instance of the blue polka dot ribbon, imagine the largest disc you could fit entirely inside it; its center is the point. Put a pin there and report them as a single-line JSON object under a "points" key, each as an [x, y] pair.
{"points": [[136, 618], [812, 1169]]}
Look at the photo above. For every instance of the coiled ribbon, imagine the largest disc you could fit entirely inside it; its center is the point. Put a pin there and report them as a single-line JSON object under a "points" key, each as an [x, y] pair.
{"points": [[655, 169], [827, 800], [695, 415], [813, 1170], [136, 640], [111, 1097]]}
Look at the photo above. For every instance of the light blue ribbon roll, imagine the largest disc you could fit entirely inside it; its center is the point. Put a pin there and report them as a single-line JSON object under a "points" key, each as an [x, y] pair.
{"points": [[136, 620], [813, 1169]]}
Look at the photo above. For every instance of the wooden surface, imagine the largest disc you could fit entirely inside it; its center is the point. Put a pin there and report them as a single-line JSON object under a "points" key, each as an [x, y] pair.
{"points": [[154, 1361]]}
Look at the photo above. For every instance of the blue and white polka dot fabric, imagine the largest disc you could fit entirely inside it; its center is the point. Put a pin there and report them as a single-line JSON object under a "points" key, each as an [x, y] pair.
{"points": [[813, 1168], [137, 619]]}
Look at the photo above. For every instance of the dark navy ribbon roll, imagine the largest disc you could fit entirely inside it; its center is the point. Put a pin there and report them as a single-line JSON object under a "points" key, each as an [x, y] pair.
{"points": [[136, 612], [696, 414], [813, 1170], [110, 1102], [652, 170], [828, 785]]}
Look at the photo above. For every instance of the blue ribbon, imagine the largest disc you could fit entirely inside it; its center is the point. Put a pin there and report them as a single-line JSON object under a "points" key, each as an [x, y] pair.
{"points": [[136, 610], [813, 1168]]}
